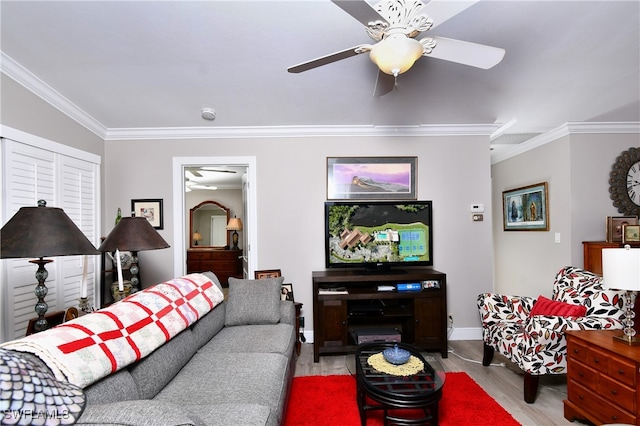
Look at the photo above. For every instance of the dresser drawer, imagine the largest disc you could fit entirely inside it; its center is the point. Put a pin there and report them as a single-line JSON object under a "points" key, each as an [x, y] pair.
{"points": [[576, 350], [623, 371], [582, 374], [598, 360], [617, 393], [200, 255], [596, 406]]}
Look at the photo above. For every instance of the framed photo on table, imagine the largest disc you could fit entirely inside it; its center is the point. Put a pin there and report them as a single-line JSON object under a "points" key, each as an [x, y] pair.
{"points": [[615, 225], [631, 234], [151, 209], [267, 273], [286, 292]]}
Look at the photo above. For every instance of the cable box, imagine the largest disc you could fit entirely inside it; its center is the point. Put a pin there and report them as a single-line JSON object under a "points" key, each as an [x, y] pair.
{"points": [[366, 335]]}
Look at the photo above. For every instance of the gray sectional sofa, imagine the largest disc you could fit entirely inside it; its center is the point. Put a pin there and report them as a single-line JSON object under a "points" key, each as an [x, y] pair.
{"points": [[233, 366]]}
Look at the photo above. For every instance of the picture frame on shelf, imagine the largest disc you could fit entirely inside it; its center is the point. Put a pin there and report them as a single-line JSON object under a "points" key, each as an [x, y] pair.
{"points": [[526, 208], [151, 209], [286, 292], [630, 234], [371, 178], [267, 273], [615, 225]]}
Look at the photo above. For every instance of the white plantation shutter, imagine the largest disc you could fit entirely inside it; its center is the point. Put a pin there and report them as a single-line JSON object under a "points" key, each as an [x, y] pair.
{"points": [[63, 178]]}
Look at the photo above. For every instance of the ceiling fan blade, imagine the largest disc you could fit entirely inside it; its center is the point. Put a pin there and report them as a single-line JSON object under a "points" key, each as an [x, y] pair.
{"points": [[443, 10], [333, 57], [362, 11], [193, 173], [213, 169], [385, 83], [467, 53]]}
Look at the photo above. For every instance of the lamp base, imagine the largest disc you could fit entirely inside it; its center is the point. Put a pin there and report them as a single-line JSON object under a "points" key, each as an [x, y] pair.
{"points": [[629, 340]]}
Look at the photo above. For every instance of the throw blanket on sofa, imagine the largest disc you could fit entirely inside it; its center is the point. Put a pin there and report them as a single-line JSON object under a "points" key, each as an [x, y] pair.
{"points": [[93, 346]]}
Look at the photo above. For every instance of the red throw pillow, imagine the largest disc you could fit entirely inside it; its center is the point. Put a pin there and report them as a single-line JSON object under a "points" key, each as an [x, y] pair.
{"points": [[544, 306]]}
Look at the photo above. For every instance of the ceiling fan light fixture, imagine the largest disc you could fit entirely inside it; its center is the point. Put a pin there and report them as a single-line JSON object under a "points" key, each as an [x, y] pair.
{"points": [[396, 54]]}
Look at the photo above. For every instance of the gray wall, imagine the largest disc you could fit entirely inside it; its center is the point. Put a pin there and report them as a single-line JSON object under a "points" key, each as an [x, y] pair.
{"points": [[576, 168], [291, 188]]}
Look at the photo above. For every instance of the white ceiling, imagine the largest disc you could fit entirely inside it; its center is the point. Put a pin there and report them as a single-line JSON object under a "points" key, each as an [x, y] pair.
{"points": [[154, 64]]}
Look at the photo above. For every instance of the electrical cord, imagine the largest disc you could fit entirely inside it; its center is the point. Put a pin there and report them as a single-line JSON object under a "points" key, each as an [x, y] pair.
{"points": [[451, 351]]}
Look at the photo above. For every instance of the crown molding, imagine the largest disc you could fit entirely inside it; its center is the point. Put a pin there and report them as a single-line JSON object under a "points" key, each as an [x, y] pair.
{"points": [[35, 85], [561, 131], [298, 131]]}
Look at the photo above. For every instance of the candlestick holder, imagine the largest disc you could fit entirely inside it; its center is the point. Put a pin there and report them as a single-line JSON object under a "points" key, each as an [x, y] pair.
{"points": [[84, 305], [119, 295]]}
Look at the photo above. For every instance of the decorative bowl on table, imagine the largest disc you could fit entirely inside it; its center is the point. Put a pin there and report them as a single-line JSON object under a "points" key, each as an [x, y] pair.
{"points": [[396, 356]]}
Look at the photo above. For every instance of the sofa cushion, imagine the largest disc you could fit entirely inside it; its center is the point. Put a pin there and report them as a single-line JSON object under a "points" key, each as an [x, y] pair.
{"points": [[152, 373], [272, 338], [232, 414], [118, 386], [253, 301], [253, 378], [545, 306], [139, 413]]}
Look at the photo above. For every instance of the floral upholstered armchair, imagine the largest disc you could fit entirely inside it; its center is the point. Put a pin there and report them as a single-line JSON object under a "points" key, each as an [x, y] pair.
{"points": [[533, 339]]}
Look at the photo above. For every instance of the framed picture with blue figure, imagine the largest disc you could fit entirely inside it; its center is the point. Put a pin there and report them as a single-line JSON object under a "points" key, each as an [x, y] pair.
{"points": [[526, 208]]}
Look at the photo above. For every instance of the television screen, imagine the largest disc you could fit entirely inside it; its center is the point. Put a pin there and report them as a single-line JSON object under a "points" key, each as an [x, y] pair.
{"points": [[375, 235]]}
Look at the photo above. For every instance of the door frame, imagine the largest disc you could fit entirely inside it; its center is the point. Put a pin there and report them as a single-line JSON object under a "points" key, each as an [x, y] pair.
{"points": [[179, 208]]}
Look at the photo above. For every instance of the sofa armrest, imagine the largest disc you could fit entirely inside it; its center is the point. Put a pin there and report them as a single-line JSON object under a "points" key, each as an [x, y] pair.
{"points": [[287, 312], [496, 307]]}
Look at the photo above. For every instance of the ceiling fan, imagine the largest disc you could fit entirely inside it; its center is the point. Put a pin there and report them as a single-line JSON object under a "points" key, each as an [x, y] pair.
{"points": [[394, 24]]}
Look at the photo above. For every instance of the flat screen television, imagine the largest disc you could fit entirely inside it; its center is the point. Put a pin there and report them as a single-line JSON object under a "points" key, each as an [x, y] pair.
{"points": [[378, 236]]}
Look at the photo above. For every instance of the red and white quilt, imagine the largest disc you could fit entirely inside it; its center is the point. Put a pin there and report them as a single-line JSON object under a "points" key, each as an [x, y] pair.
{"points": [[93, 346]]}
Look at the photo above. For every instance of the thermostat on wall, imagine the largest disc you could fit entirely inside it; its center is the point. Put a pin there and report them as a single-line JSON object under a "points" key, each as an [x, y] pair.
{"points": [[477, 208]]}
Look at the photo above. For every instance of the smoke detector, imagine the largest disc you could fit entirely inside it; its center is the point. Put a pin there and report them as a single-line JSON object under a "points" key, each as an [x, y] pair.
{"points": [[209, 114]]}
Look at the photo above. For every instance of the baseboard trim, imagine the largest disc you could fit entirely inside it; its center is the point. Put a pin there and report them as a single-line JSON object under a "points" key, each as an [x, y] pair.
{"points": [[468, 333]]}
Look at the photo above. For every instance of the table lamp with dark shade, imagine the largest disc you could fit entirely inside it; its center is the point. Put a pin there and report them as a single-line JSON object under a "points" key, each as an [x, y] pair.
{"points": [[133, 234], [38, 232], [235, 225]]}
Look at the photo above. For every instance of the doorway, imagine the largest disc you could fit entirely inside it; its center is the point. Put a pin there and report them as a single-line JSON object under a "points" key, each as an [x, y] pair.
{"points": [[181, 227]]}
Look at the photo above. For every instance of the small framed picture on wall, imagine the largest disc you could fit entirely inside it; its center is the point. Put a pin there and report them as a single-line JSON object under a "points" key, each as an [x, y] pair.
{"points": [[151, 209]]}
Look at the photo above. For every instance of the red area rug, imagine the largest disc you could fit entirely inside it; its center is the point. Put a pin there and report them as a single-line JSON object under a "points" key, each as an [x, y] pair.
{"points": [[331, 400]]}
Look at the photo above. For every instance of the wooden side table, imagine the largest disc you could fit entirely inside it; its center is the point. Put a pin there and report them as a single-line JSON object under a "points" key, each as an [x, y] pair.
{"points": [[602, 378]]}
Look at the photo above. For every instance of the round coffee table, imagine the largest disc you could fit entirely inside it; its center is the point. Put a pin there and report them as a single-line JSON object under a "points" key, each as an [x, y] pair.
{"points": [[404, 399]]}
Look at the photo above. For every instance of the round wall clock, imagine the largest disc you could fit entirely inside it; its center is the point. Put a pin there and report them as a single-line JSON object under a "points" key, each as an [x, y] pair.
{"points": [[624, 182]]}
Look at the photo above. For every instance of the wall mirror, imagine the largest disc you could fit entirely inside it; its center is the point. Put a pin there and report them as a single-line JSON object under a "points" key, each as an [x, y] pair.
{"points": [[208, 225]]}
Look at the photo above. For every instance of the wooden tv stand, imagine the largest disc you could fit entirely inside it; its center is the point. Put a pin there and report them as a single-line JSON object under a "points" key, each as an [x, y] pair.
{"points": [[419, 316]]}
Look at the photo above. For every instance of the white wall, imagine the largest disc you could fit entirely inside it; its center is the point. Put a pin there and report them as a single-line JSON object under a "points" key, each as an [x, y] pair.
{"points": [[291, 188]]}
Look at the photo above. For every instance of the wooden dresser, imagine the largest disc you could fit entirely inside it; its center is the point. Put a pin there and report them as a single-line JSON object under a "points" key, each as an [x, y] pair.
{"points": [[602, 378], [223, 263], [593, 254]]}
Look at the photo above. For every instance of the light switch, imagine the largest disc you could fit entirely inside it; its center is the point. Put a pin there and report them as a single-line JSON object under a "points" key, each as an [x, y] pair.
{"points": [[557, 238]]}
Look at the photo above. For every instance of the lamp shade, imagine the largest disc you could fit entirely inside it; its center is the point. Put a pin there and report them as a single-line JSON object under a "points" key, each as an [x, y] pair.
{"points": [[42, 232], [133, 234], [235, 224], [197, 236], [396, 53], [621, 268]]}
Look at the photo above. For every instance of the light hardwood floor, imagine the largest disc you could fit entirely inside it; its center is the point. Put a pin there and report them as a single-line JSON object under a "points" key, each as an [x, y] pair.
{"points": [[503, 383]]}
